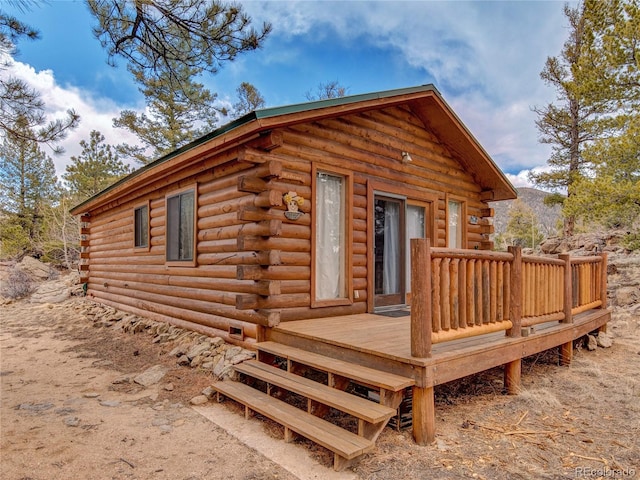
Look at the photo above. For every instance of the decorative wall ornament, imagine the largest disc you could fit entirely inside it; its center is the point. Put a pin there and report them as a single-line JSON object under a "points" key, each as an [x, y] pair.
{"points": [[293, 202]]}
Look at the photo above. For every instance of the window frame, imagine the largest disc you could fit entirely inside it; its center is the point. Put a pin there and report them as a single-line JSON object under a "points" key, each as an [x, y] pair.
{"points": [[348, 236], [462, 222], [176, 193], [147, 247]]}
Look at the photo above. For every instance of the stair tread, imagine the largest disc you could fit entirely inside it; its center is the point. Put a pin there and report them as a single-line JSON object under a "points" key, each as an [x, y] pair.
{"points": [[358, 373], [344, 443], [338, 399]]}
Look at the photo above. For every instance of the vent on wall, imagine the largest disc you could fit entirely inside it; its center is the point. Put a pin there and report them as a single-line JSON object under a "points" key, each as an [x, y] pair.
{"points": [[236, 332]]}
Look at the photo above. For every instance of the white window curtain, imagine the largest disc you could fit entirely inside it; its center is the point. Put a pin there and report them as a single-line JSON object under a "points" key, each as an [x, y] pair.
{"points": [[391, 255], [186, 225], [330, 237], [415, 229], [455, 240]]}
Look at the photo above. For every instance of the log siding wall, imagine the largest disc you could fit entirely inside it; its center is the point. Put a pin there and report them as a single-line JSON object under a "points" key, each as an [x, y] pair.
{"points": [[253, 265]]}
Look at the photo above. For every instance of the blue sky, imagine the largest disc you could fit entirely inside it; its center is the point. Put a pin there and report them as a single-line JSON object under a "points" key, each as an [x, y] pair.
{"points": [[484, 57]]}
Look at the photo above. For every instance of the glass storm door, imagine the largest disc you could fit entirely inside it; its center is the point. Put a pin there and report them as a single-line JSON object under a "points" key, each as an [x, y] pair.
{"points": [[389, 251], [416, 228]]}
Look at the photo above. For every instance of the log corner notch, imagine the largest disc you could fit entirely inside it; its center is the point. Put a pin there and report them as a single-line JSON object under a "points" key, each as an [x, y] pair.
{"points": [[262, 225], [84, 248], [487, 228]]}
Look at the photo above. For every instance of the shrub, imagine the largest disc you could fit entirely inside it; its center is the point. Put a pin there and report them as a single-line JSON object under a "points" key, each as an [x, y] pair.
{"points": [[631, 241], [18, 284]]}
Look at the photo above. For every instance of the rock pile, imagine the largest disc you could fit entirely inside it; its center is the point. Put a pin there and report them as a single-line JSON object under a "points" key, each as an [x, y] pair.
{"points": [[36, 269], [42, 282], [623, 267], [585, 244], [191, 348]]}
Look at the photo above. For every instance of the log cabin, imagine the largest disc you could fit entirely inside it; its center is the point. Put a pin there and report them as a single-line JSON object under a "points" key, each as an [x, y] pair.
{"points": [[349, 237]]}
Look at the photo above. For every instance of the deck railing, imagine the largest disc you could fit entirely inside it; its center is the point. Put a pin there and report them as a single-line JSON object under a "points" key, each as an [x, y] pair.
{"points": [[469, 293], [464, 293], [589, 284], [542, 293]]}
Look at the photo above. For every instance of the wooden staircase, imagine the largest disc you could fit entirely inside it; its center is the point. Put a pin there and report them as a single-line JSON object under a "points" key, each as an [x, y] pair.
{"points": [[268, 382]]}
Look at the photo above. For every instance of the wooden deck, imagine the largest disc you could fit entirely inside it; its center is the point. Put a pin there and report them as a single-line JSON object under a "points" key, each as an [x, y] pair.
{"points": [[384, 343], [470, 311]]}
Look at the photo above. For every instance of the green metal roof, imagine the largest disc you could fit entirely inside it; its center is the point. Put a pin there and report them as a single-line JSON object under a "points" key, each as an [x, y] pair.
{"points": [[334, 102]]}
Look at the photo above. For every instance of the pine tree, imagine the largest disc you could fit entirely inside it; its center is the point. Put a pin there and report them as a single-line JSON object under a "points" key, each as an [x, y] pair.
{"points": [[171, 38], [22, 111], [249, 99], [611, 196], [610, 193], [97, 167], [28, 184], [580, 115], [175, 114]]}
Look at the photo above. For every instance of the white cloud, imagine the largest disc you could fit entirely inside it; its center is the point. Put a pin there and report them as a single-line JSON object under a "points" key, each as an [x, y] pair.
{"points": [[95, 113], [521, 179], [486, 57]]}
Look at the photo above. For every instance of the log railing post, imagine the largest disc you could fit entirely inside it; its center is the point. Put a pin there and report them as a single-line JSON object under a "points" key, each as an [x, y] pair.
{"points": [[603, 287], [568, 288], [515, 293], [603, 280], [420, 297], [513, 369], [566, 349]]}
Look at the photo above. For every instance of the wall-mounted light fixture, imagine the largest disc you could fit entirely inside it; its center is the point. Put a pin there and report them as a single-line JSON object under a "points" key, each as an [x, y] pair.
{"points": [[406, 158]]}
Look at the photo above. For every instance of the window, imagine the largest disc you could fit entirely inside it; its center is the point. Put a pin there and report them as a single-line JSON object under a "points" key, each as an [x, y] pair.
{"points": [[455, 215], [330, 237], [141, 227], [180, 226]]}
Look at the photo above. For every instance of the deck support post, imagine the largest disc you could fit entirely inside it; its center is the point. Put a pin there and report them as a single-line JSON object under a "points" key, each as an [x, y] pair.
{"points": [[261, 333], [568, 288], [512, 376], [515, 293], [420, 297], [424, 415], [566, 353]]}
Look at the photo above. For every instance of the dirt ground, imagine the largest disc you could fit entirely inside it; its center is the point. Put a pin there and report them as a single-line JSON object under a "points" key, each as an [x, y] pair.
{"points": [[63, 417]]}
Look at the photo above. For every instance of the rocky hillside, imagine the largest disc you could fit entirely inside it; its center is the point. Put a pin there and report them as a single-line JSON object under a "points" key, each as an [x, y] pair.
{"points": [[623, 266], [534, 199]]}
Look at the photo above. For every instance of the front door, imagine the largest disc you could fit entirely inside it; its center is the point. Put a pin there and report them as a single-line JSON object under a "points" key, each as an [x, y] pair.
{"points": [[389, 251]]}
